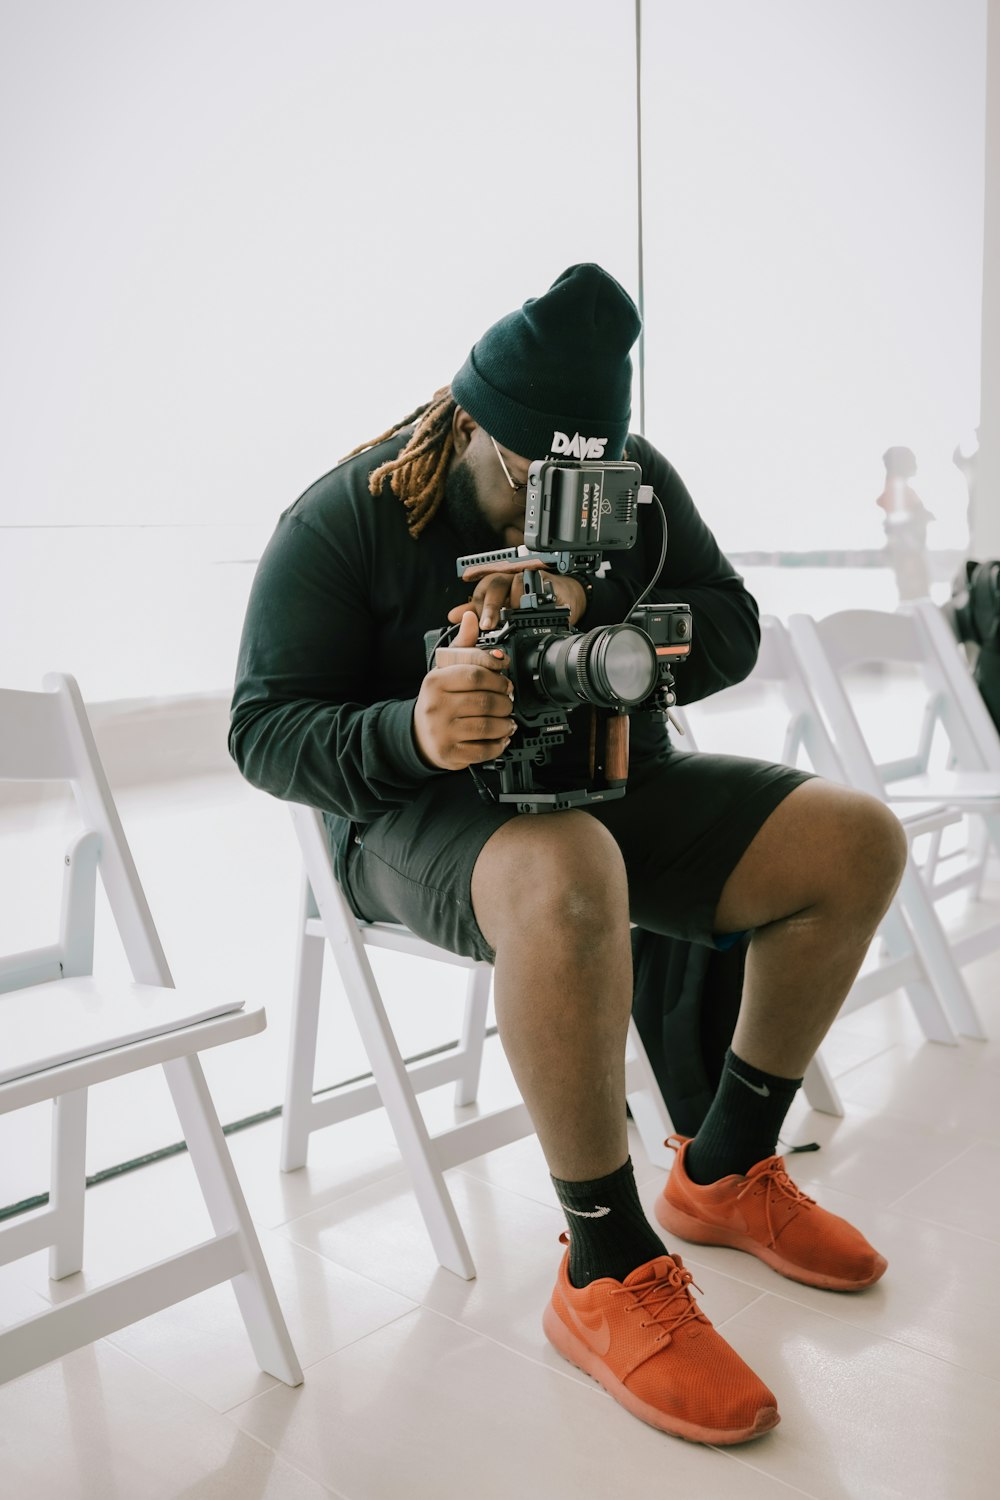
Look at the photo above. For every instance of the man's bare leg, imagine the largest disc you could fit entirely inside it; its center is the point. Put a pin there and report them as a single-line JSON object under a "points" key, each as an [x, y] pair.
{"points": [[812, 887], [830, 860], [550, 896]]}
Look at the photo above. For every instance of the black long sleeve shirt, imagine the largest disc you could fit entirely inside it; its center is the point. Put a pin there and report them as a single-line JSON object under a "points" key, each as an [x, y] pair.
{"points": [[332, 654]]}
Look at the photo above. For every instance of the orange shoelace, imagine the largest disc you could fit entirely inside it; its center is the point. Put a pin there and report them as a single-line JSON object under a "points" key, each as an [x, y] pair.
{"points": [[777, 1188], [667, 1301]]}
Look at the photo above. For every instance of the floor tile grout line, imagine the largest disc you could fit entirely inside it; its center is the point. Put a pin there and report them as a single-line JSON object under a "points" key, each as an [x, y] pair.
{"points": [[397, 1170], [880, 1052], [985, 1239], [866, 1114], [953, 1055], [772, 1479], [322, 1360], [206, 1405], [947, 1167], [339, 1198], [340, 1349], [761, 1292], [361, 1275], [871, 1332]]}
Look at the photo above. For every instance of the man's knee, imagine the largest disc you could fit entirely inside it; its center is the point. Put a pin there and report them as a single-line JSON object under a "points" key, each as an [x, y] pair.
{"points": [[825, 846], [553, 873], [866, 853], [877, 845]]}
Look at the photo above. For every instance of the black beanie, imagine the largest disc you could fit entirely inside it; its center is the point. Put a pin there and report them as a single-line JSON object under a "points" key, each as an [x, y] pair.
{"points": [[556, 377]]}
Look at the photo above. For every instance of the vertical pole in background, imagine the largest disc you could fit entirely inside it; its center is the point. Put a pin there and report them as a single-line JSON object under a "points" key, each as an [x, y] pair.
{"points": [[985, 539], [638, 159]]}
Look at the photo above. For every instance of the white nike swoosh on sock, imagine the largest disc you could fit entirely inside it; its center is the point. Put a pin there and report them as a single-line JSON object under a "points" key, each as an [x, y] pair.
{"points": [[758, 1088], [583, 1213]]}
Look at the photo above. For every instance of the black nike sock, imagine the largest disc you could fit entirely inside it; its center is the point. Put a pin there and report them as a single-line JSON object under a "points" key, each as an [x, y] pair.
{"points": [[609, 1234], [743, 1123]]}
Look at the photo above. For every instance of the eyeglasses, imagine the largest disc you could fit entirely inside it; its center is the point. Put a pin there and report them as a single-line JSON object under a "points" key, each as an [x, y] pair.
{"points": [[506, 471]]}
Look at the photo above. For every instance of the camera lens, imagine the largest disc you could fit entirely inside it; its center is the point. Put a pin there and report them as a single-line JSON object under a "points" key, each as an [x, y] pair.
{"points": [[611, 666]]}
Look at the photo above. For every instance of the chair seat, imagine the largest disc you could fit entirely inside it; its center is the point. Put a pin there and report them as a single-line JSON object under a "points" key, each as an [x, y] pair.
{"points": [[65, 1020], [956, 787]]}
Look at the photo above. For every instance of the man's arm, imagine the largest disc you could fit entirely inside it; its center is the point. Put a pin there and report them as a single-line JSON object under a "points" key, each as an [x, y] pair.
{"points": [[300, 727], [311, 656]]}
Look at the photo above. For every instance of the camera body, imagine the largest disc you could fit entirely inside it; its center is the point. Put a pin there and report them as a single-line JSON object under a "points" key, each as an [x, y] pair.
{"points": [[575, 512]]}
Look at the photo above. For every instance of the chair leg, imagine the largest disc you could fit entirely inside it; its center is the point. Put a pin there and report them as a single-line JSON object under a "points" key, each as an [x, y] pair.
{"points": [[69, 1182], [933, 858], [933, 946], [646, 1102], [934, 1018], [820, 1089], [228, 1211], [301, 1070], [412, 1136], [477, 1000]]}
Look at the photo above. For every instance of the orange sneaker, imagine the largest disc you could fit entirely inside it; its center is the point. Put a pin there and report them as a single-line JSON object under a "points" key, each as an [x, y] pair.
{"points": [[648, 1343], [765, 1214]]}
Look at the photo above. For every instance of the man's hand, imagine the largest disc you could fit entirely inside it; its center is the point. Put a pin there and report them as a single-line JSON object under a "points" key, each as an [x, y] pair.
{"points": [[463, 712], [500, 584]]}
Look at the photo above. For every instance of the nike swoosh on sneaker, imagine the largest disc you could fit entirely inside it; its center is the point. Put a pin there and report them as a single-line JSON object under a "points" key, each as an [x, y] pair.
{"points": [[585, 1213], [758, 1088], [597, 1335]]}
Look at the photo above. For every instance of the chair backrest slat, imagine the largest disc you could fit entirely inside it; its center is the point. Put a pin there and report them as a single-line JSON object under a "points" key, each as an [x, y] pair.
{"points": [[829, 648], [33, 741], [963, 711], [854, 637], [47, 736]]}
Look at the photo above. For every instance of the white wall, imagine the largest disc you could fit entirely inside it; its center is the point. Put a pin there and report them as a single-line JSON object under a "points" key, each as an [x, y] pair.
{"points": [[242, 237], [813, 244]]}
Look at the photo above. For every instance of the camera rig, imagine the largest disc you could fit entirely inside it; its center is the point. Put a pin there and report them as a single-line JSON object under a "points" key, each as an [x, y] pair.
{"points": [[575, 512]]}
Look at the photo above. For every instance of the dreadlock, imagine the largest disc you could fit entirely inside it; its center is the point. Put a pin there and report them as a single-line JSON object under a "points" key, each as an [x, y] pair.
{"points": [[418, 471]]}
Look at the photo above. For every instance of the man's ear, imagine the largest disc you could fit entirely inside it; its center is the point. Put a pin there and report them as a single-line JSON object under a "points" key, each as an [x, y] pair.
{"points": [[462, 427]]}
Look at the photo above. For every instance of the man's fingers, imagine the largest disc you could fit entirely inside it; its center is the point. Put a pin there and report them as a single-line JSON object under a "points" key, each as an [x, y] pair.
{"points": [[493, 593], [480, 669], [468, 630], [486, 730]]}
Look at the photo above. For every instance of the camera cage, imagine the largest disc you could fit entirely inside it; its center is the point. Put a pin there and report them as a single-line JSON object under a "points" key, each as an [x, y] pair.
{"points": [[574, 513]]}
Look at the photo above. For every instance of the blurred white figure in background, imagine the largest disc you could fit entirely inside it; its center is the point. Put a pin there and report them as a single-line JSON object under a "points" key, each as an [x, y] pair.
{"points": [[966, 461], [905, 524]]}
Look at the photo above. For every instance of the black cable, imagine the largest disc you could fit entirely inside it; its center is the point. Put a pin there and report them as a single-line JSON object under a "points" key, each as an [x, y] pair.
{"points": [[659, 566]]}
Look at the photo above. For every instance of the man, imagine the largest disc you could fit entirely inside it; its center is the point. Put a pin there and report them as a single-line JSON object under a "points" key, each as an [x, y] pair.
{"points": [[334, 707]]}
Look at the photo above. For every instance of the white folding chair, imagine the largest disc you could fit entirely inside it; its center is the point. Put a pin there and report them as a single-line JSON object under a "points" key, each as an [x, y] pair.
{"points": [[830, 651], [327, 919], [956, 700], [973, 735], [901, 963], [61, 1031]]}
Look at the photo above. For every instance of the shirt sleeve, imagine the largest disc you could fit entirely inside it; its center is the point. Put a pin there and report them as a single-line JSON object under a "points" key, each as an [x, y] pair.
{"points": [[725, 625], [300, 727]]}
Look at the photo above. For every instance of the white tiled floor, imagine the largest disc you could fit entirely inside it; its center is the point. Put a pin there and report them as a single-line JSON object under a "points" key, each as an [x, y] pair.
{"points": [[421, 1385]]}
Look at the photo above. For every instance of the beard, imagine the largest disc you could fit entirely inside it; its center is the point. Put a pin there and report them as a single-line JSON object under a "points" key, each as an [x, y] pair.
{"points": [[461, 506]]}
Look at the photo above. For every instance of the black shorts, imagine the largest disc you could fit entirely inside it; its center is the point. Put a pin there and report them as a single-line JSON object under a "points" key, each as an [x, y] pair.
{"points": [[682, 827]]}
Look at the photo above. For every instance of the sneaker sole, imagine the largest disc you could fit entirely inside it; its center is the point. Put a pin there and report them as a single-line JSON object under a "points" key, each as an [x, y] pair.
{"points": [[576, 1352], [686, 1227]]}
